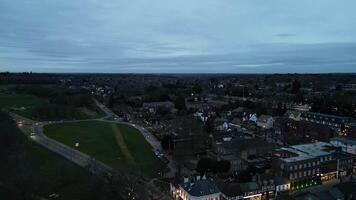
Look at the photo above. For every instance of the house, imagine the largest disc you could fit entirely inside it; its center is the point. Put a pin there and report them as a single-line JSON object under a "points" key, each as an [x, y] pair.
{"points": [[251, 117], [195, 188], [201, 116], [293, 114], [265, 121], [221, 124], [152, 107]]}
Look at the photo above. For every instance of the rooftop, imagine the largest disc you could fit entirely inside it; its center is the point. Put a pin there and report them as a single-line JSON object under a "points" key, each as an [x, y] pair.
{"points": [[307, 151], [199, 186], [344, 140]]}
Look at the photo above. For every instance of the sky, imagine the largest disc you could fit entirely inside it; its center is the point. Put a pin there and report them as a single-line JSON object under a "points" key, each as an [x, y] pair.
{"points": [[178, 36]]}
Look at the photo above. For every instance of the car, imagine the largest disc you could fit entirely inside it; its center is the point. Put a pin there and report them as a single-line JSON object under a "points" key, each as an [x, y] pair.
{"points": [[157, 152]]}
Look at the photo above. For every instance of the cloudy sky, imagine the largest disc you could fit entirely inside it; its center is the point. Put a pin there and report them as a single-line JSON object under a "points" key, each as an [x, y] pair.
{"points": [[168, 36]]}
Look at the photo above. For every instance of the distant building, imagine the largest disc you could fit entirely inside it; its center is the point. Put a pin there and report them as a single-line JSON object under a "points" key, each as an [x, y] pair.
{"points": [[195, 188]]}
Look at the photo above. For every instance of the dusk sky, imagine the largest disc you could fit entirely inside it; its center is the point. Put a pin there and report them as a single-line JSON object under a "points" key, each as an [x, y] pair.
{"points": [[178, 36]]}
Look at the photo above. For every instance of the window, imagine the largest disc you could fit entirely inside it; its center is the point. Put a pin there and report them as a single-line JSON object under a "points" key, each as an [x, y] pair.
{"points": [[309, 164], [305, 165], [290, 168], [300, 166], [313, 163]]}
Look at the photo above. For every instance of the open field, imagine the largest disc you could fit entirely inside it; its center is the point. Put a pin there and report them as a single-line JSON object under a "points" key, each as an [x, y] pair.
{"points": [[30, 102], [19, 100], [120, 146]]}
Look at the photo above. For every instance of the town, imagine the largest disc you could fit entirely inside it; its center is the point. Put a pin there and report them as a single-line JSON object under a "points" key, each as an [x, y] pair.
{"points": [[185, 136]]}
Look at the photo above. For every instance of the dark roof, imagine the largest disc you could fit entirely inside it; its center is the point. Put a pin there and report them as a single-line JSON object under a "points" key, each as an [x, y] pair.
{"points": [[200, 187], [243, 144], [233, 189], [279, 180]]}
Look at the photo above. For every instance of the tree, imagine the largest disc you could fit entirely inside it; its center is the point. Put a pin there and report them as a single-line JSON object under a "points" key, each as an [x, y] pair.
{"points": [[167, 143], [244, 176], [295, 86], [209, 125], [207, 165], [179, 103]]}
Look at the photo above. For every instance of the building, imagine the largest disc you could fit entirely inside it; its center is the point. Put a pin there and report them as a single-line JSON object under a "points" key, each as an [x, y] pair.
{"points": [[347, 145], [240, 191], [195, 188], [154, 106], [293, 114], [311, 164], [265, 121], [331, 120], [238, 150]]}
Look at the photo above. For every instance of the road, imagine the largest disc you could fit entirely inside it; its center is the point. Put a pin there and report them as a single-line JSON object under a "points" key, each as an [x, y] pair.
{"points": [[34, 130]]}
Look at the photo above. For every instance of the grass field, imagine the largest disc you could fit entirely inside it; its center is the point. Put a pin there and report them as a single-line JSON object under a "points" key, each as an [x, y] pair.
{"points": [[120, 146], [8, 101], [19, 100]]}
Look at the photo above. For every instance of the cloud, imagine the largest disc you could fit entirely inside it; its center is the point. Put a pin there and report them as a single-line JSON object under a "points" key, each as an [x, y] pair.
{"points": [[177, 35]]}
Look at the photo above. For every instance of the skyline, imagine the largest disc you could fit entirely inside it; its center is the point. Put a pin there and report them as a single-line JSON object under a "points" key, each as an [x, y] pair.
{"points": [[178, 36]]}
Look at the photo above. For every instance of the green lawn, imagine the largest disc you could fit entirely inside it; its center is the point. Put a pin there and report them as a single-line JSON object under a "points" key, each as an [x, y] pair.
{"points": [[120, 146], [30, 102], [19, 100]]}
